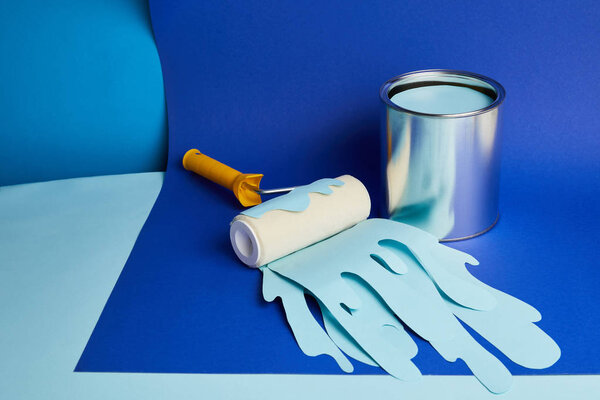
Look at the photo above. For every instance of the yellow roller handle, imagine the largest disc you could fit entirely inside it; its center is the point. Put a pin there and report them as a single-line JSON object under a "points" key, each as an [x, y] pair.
{"points": [[243, 186]]}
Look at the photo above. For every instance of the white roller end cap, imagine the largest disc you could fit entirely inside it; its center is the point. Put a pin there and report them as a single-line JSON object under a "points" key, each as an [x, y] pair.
{"points": [[245, 243]]}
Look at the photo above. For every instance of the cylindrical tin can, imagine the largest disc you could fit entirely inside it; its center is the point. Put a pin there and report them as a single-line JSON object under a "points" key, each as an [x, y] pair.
{"points": [[441, 171]]}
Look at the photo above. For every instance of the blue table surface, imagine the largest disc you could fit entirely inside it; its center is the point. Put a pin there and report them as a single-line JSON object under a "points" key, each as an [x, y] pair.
{"points": [[63, 245], [290, 89]]}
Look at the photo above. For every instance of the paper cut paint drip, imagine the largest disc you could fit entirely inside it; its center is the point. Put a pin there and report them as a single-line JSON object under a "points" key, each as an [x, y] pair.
{"points": [[310, 337], [297, 200], [372, 276]]}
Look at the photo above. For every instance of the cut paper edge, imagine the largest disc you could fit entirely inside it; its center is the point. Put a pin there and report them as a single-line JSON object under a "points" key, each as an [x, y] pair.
{"points": [[490, 371], [394, 359], [343, 340], [522, 341], [311, 338], [351, 265], [296, 200], [457, 285]]}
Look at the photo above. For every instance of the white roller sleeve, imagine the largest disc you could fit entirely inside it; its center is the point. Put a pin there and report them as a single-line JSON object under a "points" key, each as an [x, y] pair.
{"points": [[277, 233]]}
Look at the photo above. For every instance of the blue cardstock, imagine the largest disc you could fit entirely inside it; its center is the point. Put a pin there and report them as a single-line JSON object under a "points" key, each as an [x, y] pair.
{"points": [[290, 90]]}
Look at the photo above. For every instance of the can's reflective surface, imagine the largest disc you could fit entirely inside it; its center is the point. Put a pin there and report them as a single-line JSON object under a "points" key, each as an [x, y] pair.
{"points": [[441, 171]]}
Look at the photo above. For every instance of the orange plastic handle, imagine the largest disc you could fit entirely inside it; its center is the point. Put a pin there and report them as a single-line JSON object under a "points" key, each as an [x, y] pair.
{"points": [[210, 168], [243, 186]]}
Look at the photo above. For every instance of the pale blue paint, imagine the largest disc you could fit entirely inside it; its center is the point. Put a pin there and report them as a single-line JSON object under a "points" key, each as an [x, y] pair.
{"points": [[441, 99], [360, 295], [297, 200]]}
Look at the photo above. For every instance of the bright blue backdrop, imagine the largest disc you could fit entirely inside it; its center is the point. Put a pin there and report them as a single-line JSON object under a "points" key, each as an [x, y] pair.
{"points": [[290, 89], [82, 90]]}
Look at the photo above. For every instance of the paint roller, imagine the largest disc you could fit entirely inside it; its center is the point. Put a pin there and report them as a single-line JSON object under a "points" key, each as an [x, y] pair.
{"points": [[288, 223]]}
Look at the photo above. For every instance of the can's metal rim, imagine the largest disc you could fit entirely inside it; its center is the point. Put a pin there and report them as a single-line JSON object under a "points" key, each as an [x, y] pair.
{"points": [[498, 88]]}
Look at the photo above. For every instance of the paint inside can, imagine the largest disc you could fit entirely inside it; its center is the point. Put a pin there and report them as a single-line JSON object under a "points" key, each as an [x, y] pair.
{"points": [[442, 99]]}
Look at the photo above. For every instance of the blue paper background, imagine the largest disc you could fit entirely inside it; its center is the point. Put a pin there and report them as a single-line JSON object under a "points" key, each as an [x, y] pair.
{"points": [[290, 89], [82, 90]]}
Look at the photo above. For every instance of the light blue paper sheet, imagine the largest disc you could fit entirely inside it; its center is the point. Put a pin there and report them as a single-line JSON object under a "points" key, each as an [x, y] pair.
{"points": [[297, 200], [376, 331], [378, 270], [312, 340]]}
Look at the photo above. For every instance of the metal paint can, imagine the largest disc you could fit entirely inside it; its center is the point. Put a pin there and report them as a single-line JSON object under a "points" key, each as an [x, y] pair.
{"points": [[441, 171]]}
